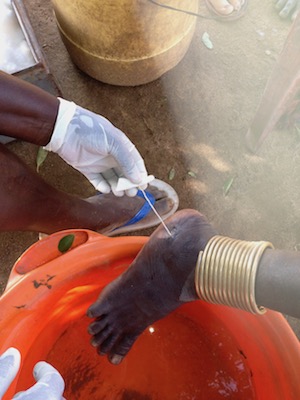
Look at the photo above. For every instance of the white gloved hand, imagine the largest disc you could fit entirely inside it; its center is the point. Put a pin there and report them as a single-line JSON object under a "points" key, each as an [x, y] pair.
{"points": [[96, 148], [49, 383], [10, 362]]}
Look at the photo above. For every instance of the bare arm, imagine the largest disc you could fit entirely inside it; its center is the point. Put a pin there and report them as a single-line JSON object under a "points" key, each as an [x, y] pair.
{"points": [[26, 111]]}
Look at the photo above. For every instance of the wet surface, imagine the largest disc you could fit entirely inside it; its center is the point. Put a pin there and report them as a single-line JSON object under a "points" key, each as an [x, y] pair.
{"points": [[176, 358]]}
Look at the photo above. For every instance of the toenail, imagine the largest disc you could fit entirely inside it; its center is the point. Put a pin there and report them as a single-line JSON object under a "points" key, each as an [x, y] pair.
{"points": [[116, 359], [94, 343]]}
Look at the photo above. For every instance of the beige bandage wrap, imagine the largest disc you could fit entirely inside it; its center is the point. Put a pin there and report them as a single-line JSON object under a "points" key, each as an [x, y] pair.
{"points": [[226, 272]]}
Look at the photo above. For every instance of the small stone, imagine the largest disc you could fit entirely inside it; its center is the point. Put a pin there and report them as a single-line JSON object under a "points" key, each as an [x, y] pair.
{"points": [[206, 41]]}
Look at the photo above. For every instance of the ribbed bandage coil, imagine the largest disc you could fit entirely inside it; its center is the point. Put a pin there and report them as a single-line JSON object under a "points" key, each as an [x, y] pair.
{"points": [[226, 272]]}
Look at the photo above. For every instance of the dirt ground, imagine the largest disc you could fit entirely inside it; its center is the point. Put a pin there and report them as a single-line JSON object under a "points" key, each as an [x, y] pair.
{"points": [[191, 121]]}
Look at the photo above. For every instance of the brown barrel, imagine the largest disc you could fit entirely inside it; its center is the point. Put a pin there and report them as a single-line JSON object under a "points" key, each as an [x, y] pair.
{"points": [[125, 42]]}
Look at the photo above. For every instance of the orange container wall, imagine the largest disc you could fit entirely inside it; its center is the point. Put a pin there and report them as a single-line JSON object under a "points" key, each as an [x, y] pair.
{"points": [[48, 294]]}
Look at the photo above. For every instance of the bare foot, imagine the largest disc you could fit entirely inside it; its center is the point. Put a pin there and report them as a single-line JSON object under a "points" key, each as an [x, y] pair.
{"points": [[288, 8], [119, 210], [29, 203], [226, 7], [159, 280]]}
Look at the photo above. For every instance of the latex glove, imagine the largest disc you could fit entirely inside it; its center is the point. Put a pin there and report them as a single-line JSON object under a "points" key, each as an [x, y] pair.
{"points": [[50, 385], [96, 148], [9, 366]]}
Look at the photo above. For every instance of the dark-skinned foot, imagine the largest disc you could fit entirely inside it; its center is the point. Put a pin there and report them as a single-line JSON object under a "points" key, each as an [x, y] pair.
{"points": [[29, 203], [160, 279], [120, 210], [288, 8]]}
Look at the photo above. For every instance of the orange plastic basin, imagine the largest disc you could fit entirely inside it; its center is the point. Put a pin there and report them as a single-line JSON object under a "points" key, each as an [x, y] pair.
{"points": [[200, 351]]}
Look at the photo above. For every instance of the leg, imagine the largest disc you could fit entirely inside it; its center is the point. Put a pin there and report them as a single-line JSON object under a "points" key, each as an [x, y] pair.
{"points": [[280, 91], [162, 277], [29, 203]]}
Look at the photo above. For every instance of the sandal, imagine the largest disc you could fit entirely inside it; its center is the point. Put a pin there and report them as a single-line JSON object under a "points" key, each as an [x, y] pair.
{"points": [[137, 222]]}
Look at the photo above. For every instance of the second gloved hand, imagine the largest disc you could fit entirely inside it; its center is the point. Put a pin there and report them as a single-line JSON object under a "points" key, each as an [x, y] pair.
{"points": [[49, 383], [96, 148], [9, 365]]}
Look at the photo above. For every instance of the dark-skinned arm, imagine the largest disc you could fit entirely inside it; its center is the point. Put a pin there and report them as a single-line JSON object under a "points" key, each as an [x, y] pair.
{"points": [[85, 140], [26, 111]]}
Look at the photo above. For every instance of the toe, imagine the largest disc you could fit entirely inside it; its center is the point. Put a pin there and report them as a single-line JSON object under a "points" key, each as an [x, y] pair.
{"points": [[284, 6], [100, 337], [101, 307], [116, 359], [222, 6], [108, 344], [120, 350], [96, 310], [236, 4], [97, 326], [287, 8]]}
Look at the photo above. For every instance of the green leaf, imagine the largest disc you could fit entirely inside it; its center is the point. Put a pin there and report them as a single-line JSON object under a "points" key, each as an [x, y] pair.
{"points": [[41, 157], [192, 174], [65, 243], [172, 174], [227, 185]]}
